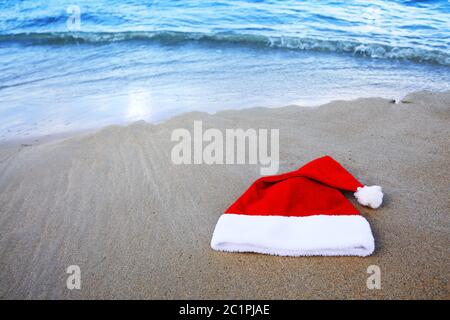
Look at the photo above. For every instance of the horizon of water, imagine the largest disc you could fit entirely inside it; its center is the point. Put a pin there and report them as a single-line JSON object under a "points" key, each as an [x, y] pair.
{"points": [[129, 60]]}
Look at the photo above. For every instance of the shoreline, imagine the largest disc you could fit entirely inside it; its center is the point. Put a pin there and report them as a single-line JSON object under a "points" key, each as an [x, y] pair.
{"points": [[63, 135], [111, 202]]}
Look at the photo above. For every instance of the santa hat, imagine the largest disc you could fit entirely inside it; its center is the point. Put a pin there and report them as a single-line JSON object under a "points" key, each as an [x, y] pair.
{"points": [[300, 213]]}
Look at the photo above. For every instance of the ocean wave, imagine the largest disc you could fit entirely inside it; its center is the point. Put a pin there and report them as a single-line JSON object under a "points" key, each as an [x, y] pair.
{"points": [[371, 50]]}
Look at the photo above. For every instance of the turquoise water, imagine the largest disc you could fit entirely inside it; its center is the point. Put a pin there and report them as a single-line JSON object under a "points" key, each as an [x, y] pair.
{"points": [[123, 61]]}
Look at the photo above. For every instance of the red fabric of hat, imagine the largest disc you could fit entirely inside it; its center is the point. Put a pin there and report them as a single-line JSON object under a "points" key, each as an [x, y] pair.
{"points": [[302, 212]]}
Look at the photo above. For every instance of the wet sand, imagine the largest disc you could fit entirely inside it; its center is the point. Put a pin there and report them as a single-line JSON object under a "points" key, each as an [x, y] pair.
{"points": [[140, 227]]}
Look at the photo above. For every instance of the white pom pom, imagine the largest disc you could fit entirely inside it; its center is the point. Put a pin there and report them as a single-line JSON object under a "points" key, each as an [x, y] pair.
{"points": [[370, 196]]}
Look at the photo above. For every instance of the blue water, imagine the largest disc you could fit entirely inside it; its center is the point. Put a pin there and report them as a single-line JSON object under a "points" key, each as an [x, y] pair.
{"points": [[131, 60]]}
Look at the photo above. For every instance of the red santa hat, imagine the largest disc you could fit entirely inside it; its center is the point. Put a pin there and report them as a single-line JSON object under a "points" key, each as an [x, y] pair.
{"points": [[300, 213]]}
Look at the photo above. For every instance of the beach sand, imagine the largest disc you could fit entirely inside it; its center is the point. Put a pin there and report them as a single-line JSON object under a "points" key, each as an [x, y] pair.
{"points": [[139, 226]]}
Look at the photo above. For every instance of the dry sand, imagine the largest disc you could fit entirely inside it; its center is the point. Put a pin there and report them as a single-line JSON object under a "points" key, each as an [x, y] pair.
{"points": [[138, 226]]}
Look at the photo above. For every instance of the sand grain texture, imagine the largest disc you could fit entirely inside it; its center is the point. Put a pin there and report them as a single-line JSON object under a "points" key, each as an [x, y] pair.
{"points": [[138, 226]]}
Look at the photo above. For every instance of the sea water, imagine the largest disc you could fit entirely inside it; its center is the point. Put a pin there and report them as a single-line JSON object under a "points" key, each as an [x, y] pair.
{"points": [[83, 64]]}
